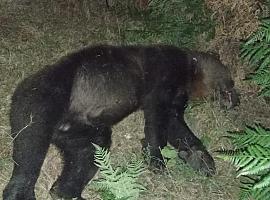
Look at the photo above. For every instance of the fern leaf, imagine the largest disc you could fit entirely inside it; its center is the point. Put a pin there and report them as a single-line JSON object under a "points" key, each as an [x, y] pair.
{"points": [[251, 52], [249, 160], [265, 27], [261, 34], [121, 184], [261, 194], [257, 36], [260, 162], [135, 168], [260, 54], [100, 185], [266, 50], [265, 23], [262, 77], [102, 160], [256, 168], [265, 63], [251, 135], [267, 35], [257, 52], [244, 195], [235, 157], [266, 92], [263, 182], [252, 160], [245, 50]]}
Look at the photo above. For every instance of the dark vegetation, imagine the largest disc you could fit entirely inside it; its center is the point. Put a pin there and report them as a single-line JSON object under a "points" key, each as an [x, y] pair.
{"points": [[178, 22]]}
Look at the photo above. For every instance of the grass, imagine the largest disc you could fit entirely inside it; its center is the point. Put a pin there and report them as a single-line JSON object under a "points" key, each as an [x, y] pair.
{"points": [[34, 34]]}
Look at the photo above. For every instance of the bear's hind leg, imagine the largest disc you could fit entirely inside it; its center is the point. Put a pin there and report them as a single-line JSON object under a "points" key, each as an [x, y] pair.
{"points": [[78, 154], [30, 147]]}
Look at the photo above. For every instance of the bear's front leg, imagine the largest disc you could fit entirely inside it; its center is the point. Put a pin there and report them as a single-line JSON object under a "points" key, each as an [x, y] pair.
{"points": [[190, 148], [156, 122]]}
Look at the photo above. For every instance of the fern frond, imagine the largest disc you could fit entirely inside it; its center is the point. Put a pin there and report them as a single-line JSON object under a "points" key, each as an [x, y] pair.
{"points": [[250, 52], [249, 192], [258, 36], [261, 194], [257, 52], [266, 92], [264, 62], [135, 168], [260, 162], [252, 161], [261, 54], [251, 135], [121, 184], [261, 34], [235, 157], [265, 27], [263, 182], [244, 195], [249, 160], [102, 160]]}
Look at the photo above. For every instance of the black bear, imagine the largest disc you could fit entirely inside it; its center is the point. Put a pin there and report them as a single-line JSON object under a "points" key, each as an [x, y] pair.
{"points": [[75, 102]]}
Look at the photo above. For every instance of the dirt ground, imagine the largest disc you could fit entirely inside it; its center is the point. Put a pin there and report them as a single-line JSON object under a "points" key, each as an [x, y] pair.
{"points": [[37, 33]]}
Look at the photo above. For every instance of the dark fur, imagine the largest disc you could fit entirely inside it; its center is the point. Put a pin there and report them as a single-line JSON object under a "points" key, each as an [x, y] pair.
{"points": [[76, 101]]}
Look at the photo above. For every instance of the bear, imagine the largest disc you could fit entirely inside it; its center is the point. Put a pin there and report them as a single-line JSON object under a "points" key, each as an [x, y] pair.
{"points": [[75, 102]]}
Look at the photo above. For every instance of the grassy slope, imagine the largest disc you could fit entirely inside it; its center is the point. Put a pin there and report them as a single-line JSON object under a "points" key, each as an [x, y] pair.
{"points": [[33, 35]]}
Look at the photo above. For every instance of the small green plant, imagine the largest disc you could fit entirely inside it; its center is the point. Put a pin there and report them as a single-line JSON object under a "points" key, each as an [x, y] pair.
{"points": [[252, 161], [170, 155], [119, 183], [257, 52]]}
